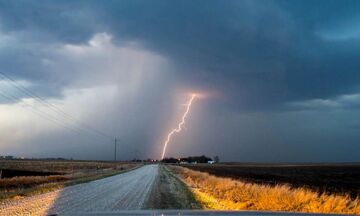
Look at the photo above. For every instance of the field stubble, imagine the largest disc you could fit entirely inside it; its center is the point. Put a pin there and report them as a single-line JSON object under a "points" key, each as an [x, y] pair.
{"points": [[228, 194], [69, 173], [340, 179]]}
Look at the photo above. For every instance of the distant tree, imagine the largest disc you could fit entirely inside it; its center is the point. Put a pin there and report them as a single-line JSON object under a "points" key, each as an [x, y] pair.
{"points": [[192, 159], [216, 159], [184, 160], [170, 160], [199, 159], [203, 159]]}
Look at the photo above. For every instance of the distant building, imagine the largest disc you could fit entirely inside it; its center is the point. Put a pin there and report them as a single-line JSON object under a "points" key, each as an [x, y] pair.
{"points": [[187, 160], [7, 157]]}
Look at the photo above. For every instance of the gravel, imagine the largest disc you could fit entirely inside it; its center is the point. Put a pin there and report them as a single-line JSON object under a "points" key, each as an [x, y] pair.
{"points": [[127, 191]]}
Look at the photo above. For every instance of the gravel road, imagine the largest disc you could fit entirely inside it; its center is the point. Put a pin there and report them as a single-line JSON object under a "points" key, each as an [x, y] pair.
{"points": [[129, 190]]}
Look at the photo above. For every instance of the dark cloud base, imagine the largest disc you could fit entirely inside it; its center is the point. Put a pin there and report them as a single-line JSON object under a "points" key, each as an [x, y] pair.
{"points": [[259, 56]]}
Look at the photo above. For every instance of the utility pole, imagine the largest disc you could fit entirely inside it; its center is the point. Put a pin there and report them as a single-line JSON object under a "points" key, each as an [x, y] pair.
{"points": [[115, 150]]}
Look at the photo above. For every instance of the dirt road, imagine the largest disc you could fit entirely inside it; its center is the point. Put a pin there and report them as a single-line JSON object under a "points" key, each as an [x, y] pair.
{"points": [[129, 190]]}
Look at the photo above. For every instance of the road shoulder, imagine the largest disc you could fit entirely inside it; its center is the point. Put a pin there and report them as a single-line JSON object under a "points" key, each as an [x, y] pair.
{"points": [[169, 192]]}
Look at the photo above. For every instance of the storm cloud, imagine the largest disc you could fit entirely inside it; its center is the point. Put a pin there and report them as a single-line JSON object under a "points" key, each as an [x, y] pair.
{"points": [[281, 77]]}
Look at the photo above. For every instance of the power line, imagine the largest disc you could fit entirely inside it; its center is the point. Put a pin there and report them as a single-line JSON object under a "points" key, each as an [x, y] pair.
{"points": [[38, 112], [46, 116], [53, 107]]}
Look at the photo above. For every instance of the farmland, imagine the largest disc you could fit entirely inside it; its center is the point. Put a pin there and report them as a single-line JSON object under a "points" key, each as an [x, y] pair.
{"points": [[221, 193], [151, 186], [38, 176], [329, 178]]}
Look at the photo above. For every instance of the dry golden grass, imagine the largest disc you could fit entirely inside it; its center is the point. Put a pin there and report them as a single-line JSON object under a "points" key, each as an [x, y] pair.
{"points": [[29, 181], [227, 194], [73, 172], [66, 166]]}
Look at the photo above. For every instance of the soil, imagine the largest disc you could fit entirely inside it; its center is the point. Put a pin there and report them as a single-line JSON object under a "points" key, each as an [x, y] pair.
{"points": [[322, 178]]}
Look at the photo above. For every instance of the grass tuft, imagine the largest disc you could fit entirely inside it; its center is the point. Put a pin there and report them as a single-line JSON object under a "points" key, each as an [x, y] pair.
{"points": [[227, 194]]}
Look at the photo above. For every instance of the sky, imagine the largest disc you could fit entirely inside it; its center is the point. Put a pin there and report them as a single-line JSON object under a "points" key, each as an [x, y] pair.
{"points": [[279, 80]]}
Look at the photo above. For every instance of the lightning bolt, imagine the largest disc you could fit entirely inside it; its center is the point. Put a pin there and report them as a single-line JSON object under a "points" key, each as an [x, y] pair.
{"points": [[180, 126]]}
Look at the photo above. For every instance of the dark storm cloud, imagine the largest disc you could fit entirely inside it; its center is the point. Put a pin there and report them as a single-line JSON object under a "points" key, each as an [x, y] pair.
{"points": [[34, 28], [260, 53], [264, 53], [48, 20], [299, 58]]}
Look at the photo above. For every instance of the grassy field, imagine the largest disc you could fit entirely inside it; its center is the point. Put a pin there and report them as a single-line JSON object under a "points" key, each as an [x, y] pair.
{"points": [[341, 179], [64, 166], [228, 194], [67, 173]]}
